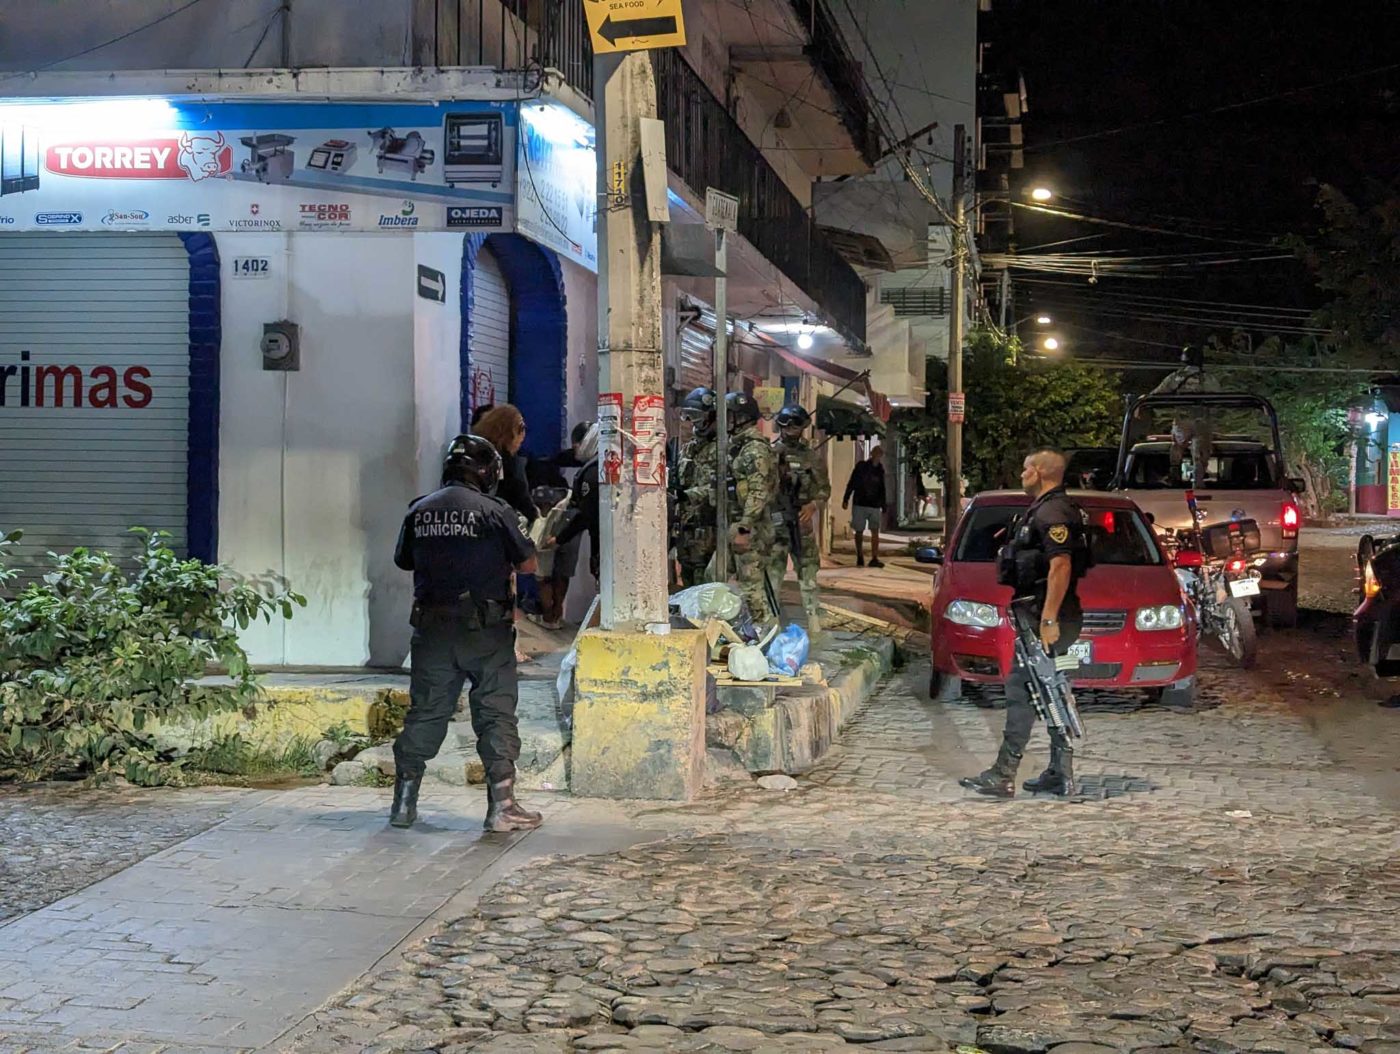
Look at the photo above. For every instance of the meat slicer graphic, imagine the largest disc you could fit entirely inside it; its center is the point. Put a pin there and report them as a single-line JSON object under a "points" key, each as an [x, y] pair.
{"points": [[406, 154]]}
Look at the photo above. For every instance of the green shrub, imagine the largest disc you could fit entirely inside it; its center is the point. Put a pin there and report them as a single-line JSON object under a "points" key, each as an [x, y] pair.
{"points": [[93, 655]]}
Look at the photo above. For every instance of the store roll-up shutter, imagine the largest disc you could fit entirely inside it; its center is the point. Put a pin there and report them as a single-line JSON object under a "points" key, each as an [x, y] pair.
{"points": [[94, 408], [489, 330]]}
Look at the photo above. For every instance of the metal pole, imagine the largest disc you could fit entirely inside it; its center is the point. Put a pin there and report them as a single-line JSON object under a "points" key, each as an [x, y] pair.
{"points": [[632, 516], [955, 330], [1005, 296], [721, 386]]}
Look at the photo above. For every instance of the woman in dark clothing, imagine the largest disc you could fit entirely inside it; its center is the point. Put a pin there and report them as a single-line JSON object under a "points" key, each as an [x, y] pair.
{"points": [[505, 428]]}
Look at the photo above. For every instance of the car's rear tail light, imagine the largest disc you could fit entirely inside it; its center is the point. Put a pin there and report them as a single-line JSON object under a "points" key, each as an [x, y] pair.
{"points": [[1289, 518], [1188, 558]]}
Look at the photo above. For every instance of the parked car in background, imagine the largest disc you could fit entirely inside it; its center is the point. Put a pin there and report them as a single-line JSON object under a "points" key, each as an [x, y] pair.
{"points": [[1139, 632], [1242, 479], [1376, 622]]}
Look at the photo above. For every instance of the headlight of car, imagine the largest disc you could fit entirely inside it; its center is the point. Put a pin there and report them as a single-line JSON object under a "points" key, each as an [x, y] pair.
{"points": [[1167, 616], [971, 613]]}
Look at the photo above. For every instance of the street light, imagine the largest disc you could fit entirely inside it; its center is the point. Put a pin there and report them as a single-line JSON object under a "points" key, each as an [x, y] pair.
{"points": [[1042, 194], [1043, 320], [1051, 344], [804, 341]]}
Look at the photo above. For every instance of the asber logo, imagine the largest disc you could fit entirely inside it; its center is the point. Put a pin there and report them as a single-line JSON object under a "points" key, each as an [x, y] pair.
{"points": [[41, 384], [193, 157]]}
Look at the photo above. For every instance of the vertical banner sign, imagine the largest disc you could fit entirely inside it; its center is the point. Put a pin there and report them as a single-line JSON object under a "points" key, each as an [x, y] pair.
{"points": [[1393, 480], [609, 438], [649, 432], [957, 407]]}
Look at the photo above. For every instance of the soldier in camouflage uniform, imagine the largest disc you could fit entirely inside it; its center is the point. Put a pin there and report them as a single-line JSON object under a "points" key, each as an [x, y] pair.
{"points": [[803, 485], [696, 476], [753, 477]]}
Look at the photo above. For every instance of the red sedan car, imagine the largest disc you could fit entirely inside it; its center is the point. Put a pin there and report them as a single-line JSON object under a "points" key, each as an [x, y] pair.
{"points": [[1139, 632]]}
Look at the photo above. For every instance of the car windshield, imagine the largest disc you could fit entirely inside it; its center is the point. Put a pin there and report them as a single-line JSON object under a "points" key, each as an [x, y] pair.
{"points": [[1116, 536], [1152, 469]]}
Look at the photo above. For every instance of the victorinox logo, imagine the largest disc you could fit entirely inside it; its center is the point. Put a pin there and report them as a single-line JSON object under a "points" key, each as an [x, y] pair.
{"points": [[194, 157]]}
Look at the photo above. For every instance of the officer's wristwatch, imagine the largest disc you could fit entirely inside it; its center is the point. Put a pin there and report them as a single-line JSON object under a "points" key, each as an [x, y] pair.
{"points": [[1049, 622]]}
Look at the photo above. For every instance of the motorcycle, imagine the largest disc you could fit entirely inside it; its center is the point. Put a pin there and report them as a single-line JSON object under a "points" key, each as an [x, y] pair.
{"points": [[1218, 576]]}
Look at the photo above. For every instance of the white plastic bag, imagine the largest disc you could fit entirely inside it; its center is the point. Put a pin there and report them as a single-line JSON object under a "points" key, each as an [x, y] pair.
{"points": [[711, 600], [748, 663]]}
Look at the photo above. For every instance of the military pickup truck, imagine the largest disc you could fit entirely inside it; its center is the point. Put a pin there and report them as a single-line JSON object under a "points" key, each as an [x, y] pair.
{"points": [[1243, 477]]}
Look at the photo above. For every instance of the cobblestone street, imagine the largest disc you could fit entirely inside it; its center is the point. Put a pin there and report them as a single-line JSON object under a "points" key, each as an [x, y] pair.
{"points": [[1227, 882]]}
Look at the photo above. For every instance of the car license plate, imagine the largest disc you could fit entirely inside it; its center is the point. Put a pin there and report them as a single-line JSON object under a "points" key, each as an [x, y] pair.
{"points": [[1082, 651], [1244, 587]]}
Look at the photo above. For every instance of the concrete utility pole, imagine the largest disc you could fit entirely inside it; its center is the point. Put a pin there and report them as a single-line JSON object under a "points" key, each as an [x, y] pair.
{"points": [[955, 330], [630, 356]]}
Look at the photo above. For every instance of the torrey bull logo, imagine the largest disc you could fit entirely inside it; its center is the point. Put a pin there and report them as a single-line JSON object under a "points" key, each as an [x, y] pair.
{"points": [[193, 157]]}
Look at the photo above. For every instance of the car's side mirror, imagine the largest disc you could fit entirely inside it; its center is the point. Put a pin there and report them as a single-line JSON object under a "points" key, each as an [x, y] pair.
{"points": [[1297, 486], [930, 555]]}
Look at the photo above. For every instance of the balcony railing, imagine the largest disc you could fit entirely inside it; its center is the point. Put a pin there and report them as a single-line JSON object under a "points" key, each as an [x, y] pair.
{"points": [[507, 34], [706, 147], [834, 60]]}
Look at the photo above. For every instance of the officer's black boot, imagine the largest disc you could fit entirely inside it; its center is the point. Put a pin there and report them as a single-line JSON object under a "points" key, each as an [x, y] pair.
{"points": [[999, 781], [1059, 777], [405, 808], [504, 813]]}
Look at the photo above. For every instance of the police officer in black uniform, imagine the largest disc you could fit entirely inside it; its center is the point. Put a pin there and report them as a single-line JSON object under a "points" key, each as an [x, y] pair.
{"points": [[1047, 553], [461, 545]]}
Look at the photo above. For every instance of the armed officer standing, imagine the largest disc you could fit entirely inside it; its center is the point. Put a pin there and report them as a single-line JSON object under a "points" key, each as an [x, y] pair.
{"points": [[1048, 551], [696, 473], [461, 545], [803, 485], [753, 480]]}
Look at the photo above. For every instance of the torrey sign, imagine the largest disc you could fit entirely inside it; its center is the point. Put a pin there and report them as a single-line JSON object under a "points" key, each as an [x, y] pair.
{"points": [[152, 164]]}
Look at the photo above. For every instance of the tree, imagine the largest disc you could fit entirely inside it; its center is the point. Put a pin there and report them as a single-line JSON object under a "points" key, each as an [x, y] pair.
{"points": [[1312, 400], [1013, 406], [1355, 257]]}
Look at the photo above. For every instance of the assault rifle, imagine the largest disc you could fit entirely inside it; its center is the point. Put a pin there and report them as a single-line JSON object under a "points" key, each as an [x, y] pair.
{"points": [[1049, 687]]}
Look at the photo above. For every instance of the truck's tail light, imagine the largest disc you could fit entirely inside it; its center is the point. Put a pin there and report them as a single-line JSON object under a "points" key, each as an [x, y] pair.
{"points": [[1188, 558], [1289, 518]]}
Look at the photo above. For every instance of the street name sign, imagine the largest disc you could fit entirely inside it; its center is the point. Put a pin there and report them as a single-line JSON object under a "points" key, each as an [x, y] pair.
{"points": [[635, 25], [721, 210]]}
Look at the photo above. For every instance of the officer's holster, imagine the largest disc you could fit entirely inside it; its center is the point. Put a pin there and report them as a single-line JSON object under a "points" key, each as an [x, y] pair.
{"points": [[466, 610]]}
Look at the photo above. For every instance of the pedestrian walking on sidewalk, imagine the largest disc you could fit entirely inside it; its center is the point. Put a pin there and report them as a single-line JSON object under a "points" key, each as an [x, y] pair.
{"points": [[803, 485], [1048, 551], [462, 545], [867, 487]]}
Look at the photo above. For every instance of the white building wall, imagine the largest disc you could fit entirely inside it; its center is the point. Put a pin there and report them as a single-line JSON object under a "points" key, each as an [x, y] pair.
{"points": [[222, 35], [437, 361], [317, 465]]}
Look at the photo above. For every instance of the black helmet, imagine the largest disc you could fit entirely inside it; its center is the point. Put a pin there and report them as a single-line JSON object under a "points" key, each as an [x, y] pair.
{"points": [[699, 409], [473, 460], [743, 410], [793, 416]]}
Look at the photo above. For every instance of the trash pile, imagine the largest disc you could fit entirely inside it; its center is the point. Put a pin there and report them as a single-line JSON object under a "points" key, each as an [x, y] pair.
{"points": [[749, 654]]}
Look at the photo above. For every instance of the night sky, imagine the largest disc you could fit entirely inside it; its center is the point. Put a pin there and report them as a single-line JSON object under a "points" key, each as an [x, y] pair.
{"points": [[1140, 70]]}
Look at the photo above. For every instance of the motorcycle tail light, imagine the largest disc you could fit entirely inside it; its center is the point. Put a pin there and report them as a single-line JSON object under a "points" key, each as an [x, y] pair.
{"points": [[1188, 558], [1236, 565], [1370, 584], [1289, 518]]}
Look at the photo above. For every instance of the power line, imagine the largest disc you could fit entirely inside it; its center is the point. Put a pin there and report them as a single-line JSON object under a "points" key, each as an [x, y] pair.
{"points": [[1084, 218], [106, 43], [1243, 103], [1165, 299]]}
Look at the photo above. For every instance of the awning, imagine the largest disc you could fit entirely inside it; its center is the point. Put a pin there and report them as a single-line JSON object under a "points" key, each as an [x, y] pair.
{"points": [[839, 419], [837, 374]]}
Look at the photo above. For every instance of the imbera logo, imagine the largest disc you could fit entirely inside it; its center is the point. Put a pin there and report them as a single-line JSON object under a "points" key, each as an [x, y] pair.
{"points": [[100, 387]]}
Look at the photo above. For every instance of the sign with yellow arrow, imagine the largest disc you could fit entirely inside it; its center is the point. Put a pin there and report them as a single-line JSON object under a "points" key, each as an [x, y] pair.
{"points": [[635, 25]]}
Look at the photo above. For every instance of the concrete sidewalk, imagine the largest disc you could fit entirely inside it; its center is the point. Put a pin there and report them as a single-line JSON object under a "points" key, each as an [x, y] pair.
{"points": [[224, 942]]}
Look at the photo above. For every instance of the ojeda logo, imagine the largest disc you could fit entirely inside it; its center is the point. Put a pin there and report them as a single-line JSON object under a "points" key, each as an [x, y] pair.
{"points": [[35, 384], [473, 216]]}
